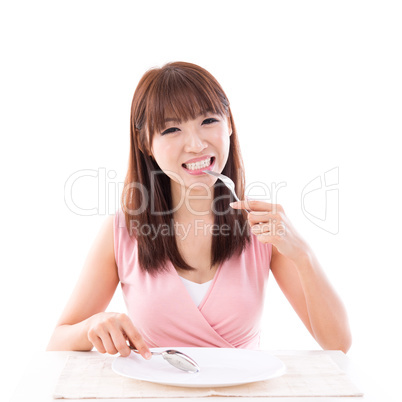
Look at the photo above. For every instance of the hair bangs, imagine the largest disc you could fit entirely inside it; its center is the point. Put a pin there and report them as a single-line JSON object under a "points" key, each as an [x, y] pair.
{"points": [[182, 95]]}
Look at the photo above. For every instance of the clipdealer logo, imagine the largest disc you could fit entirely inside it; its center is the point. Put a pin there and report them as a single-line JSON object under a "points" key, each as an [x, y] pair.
{"points": [[320, 201], [107, 191], [319, 197]]}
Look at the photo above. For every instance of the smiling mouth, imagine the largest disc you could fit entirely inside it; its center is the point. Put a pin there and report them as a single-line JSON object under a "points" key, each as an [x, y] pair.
{"points": [[193, 167]]}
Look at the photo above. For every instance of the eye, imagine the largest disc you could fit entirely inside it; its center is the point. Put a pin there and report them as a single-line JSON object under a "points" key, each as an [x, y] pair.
{"points": [[209, 121], [170, 130]]}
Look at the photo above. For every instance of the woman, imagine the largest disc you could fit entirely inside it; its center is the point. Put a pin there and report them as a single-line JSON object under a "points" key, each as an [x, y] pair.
{"points": [[191, 271]]}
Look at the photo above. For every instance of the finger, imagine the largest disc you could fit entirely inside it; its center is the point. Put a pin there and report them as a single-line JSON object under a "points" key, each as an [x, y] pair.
{"points": [[262, 217], [108, 344], [261, 228], [136, 339], [98, 344], [255, 205], [119, 342], [266, 237]]}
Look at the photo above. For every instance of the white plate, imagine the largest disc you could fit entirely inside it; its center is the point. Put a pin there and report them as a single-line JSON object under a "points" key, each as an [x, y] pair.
{"points": [[219, 367]]}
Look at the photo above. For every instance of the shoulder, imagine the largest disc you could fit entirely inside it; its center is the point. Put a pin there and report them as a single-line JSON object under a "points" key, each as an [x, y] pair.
{"points": [[100, 259], [259, 246], [261, 252], [105, 239], [119, 219], [125, 246], [107, 226]]}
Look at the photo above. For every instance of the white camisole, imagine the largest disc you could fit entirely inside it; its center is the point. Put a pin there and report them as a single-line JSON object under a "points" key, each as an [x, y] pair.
{"points": [[197, 291]]}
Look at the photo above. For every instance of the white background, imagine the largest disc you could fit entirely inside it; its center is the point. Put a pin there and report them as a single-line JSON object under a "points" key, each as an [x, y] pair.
{"points": [[314, 86]]}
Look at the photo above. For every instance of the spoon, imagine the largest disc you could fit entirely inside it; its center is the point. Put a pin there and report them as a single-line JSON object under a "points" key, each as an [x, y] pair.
{"points": [[227, 181], [176, 359]]}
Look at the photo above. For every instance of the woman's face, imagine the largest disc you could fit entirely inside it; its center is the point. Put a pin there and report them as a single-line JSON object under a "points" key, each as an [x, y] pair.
{"points": [[183, 149]]}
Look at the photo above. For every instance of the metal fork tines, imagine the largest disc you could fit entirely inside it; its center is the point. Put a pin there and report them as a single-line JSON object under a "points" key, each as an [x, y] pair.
{"points": [[227, 181]]}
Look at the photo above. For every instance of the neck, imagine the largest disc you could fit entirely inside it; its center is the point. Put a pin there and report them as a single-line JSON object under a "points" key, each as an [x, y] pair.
{"points": [[192, 204]]}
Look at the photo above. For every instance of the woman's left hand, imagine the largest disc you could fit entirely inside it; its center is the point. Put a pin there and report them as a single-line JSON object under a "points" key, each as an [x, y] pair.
{"points": [[270, 224]]}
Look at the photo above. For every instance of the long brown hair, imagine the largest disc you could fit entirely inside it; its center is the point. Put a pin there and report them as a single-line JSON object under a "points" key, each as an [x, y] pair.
{"points": [[184, 91]]}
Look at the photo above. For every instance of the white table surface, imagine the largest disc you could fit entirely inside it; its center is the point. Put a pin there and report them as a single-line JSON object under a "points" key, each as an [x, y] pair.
{"points": [[40, 375]]}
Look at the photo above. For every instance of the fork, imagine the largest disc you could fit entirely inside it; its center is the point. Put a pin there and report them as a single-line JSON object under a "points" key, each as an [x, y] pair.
{"points": [[228, 182], [176, 359]]}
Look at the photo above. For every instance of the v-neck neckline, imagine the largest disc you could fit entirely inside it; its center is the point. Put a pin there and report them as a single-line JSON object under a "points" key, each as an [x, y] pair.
{"points": [[196, 283], [207, 294]]}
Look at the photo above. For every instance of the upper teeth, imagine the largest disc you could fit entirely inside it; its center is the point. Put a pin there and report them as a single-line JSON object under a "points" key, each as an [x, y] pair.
{"points": [[198, 165]]}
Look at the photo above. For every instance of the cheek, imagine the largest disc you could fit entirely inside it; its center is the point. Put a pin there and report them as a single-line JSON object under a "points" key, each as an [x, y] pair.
{"points": [[223, 143], [163, 153]]}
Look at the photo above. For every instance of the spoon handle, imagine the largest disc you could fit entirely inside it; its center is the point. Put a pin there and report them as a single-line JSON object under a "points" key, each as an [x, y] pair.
{"points": [[136, 351]]}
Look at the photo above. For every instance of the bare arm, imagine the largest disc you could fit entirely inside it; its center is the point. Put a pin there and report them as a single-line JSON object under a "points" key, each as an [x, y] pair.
{"points": [[308, 290], [83, 323], [300, 276]]}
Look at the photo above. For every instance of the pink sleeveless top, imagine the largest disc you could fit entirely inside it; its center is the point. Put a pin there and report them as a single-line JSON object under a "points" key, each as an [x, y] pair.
{"points": [[166, 316]]}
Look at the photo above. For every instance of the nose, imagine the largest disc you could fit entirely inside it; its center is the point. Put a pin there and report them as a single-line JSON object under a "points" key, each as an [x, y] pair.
{"points": [[194, 142]]}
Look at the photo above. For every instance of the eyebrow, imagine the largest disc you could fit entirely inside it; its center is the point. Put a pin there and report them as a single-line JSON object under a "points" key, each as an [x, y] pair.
{"points": [[169, 119]]}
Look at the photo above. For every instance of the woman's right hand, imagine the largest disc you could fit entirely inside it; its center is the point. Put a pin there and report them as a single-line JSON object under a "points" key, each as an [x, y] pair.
{"points": [[109, 333]]}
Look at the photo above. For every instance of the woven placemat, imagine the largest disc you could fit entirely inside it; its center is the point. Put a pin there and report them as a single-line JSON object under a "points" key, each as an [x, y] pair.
{"points": [[91, 377]]}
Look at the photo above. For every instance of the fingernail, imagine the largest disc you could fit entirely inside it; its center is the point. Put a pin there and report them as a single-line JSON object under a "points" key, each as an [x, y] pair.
{"points": [[232, 204], [148, 355]]}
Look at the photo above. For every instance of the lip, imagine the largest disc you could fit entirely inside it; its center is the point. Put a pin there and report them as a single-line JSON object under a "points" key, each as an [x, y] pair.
{"points": [[200, 171], [200, 158]]}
